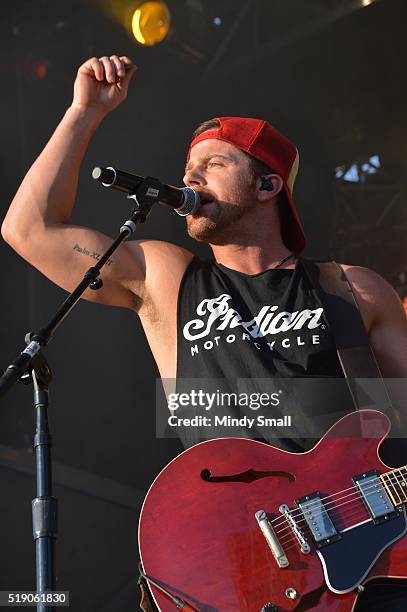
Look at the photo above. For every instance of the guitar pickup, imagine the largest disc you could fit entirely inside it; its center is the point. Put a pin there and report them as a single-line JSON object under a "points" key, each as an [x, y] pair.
{"points": [[318, 520], [375, 497]]}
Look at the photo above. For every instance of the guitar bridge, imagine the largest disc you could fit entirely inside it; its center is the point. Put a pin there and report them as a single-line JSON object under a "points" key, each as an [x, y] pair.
{"points": [[295, 528], [271, 539]]}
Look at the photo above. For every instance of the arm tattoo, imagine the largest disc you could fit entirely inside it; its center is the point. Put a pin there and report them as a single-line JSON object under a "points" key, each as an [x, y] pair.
{"points": [[92, 254]]}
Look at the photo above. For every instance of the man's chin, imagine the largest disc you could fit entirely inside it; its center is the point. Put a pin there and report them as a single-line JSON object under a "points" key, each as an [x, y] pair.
{"points": [[213, 225], [202, 229]]}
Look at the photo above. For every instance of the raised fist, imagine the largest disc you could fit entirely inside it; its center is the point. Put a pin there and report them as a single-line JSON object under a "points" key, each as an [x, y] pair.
{"points": [[102, 83]]}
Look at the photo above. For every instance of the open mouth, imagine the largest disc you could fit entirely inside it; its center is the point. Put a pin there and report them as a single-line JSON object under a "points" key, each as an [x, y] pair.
{"points": [[205, 198]]}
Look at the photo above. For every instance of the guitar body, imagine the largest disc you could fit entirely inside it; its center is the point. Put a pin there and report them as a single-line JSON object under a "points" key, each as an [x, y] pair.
{"points": [[200, 540]]}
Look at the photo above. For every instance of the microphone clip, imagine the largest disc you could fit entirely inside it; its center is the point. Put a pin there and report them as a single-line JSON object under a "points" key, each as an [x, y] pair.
{"points": [[145, 196]]}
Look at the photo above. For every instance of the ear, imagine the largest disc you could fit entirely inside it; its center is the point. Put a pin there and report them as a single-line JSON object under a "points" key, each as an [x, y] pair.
{"points": [[268, 186]]}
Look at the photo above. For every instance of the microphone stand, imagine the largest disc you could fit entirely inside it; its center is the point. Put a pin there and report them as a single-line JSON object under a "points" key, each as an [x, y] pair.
{"points": [[31, 366]]}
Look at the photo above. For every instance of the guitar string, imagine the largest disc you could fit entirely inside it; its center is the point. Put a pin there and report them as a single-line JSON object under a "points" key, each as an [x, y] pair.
{"points": [[294, 542], [394, 488], [289, 530], [345, 515], [290, 537], [387, 475], [297, 511], [332, 506], [357, 492], [361, 509], [329, 506], [404, 480], [356, 495], [357, 515], [286, 525]]}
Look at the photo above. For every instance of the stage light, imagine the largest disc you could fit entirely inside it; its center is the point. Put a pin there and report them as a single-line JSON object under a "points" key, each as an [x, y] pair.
{"points": [[367, 2], [150, 23], [39, 70], [357, 171]]}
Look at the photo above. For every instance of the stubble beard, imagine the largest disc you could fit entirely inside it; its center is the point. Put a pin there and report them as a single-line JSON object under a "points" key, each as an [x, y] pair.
{"points": [[221, 226]]}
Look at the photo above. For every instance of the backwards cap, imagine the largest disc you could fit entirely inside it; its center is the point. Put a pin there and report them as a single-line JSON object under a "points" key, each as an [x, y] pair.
{"points": [[261, 140]]}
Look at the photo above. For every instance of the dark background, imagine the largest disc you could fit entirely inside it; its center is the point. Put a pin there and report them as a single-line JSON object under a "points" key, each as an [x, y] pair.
{"points": [[330, 74]]}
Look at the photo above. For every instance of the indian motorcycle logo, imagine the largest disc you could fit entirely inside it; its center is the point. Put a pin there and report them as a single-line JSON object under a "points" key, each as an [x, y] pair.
{"points": [[217, 314]]}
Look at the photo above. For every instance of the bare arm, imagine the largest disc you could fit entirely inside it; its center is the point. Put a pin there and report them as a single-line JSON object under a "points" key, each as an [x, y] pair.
{"points": [[384, 318], [36, 225], [386, 323], [389, 335]]}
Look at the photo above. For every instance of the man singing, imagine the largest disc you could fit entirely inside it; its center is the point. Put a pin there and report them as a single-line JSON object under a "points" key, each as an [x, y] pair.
{"points": [[272, 320]]}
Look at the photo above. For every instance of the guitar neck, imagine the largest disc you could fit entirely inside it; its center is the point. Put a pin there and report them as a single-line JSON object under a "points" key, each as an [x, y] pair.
{"points": [[395, 483]]}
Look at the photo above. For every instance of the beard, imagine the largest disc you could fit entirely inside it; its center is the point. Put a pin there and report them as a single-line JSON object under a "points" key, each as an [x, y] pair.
{"points": [[218, 222]]}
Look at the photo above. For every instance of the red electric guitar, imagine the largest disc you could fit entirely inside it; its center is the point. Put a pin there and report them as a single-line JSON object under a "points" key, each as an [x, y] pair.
{"points": [[237, 525]]}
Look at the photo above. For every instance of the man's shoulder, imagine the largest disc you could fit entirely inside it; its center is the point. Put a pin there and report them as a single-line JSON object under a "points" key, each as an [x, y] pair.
{"points": [[161, 247], [375, 296], [159, 255], [163, 266], [366, 281], [384, 317], [367, 285]]}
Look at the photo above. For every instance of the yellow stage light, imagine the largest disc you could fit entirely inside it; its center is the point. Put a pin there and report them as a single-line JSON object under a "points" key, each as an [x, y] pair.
{"points": [[150, 23]]}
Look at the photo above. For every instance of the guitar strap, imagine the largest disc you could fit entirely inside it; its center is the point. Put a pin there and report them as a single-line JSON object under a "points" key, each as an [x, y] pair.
{"points": [[355, 354]]}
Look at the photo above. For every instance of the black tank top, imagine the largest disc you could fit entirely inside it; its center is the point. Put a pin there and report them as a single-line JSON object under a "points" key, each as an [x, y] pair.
{"points": [[266, 332]]}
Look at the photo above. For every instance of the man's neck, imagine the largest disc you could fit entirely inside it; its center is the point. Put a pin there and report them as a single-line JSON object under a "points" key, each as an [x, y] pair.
{"points": [[253, 259]]}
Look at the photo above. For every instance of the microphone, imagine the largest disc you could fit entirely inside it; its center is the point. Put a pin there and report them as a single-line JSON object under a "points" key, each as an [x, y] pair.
{"points": [[184, 200]]}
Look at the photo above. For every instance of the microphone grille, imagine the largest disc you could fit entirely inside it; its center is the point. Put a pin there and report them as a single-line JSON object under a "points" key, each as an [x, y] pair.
{"points": [[190, 204]]}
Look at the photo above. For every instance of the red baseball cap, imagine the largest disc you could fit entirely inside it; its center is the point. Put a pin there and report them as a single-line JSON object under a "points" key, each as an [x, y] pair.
{"points": [[261, 140]]}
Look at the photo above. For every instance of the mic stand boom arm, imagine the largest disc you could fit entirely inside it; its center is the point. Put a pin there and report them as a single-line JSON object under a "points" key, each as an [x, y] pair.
{"points": [[31, 366]]}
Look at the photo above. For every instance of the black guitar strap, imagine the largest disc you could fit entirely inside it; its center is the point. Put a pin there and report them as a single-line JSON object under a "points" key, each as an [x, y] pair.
{"points": [[352, 343]]}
